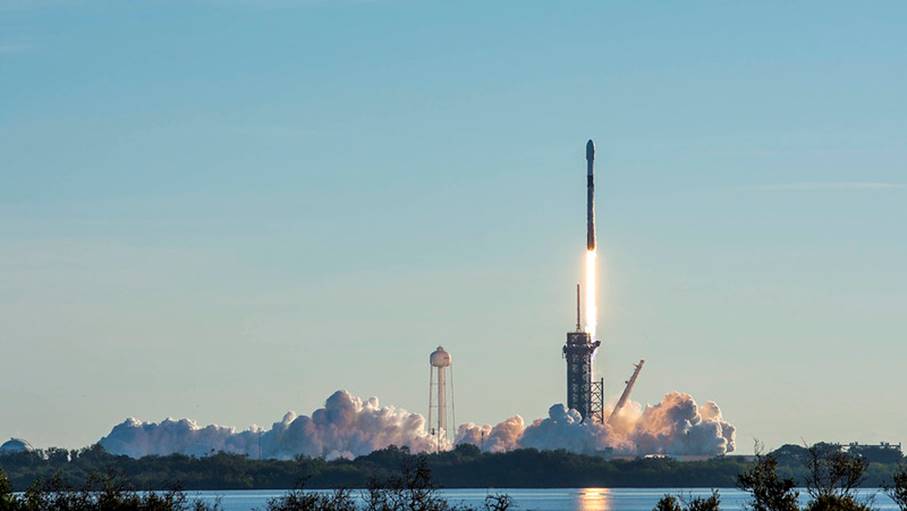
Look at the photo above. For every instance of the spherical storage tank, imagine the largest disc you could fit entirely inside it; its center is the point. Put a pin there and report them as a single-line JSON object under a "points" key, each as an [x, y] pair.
{"points": [[439, 358], [14, 446]]}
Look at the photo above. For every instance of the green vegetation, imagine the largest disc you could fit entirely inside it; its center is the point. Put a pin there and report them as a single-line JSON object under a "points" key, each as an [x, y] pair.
{"points": [[97, 495], [768, 491], [411, 490], [464, 467], [832, 479], [898, 490], [672, 503]]}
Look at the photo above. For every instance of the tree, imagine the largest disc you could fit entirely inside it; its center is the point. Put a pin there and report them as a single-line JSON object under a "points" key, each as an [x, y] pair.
{"points": [[710, 503], [101, 494], [301, 500], [412, 490], [832, 479], [57, 456], [768, 492], [498, 502], [672, 503], [668, 503], [898, 491], [7, 501]]}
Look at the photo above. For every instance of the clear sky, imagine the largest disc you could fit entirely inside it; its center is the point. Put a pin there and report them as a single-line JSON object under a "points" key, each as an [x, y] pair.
{"points": [[227, 209]]}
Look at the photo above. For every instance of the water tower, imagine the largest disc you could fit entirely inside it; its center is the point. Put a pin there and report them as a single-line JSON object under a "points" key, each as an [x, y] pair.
{"points": [[439, 362]]}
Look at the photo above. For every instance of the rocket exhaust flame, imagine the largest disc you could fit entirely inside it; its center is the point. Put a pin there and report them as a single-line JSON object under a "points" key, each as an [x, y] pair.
{"points": [[591, 314]]}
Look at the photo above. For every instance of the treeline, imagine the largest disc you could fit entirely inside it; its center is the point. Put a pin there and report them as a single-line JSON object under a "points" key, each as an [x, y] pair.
{"points": [[411, 490], [832, 481], [833, 477], [463, 467]]}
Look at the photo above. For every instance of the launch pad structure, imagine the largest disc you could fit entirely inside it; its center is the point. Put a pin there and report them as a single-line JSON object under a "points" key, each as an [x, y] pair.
{"points": [[583, 394], [581, 390]]}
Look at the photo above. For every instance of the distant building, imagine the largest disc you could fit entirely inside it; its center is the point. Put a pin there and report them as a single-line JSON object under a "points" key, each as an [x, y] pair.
{"points": [[874, 453], [15, 446], [659, 456], [681, 458]]}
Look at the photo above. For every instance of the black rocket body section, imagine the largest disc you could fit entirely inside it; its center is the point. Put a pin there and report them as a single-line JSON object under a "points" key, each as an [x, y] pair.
{"points": [[590, 196]]}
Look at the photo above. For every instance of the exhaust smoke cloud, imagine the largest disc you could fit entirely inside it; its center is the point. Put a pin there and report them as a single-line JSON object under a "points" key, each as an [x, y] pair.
{"points": [[676, 426], [348, 426]]}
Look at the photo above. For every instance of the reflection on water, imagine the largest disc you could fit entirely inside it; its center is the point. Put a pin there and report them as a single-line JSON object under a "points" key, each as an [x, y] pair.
{"points": [[546, 499], [593, 499]]}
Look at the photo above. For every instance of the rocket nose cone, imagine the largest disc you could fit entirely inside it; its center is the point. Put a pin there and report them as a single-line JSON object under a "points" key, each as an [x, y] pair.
{"points": [[590, 150]]}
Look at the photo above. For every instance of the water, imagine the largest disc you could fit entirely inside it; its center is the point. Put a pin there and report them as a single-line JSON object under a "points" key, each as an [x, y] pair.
{"points": [[567, 499]]}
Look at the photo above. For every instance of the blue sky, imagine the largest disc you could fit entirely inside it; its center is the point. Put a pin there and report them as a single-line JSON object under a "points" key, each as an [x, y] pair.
{"points": [[227, 209]]}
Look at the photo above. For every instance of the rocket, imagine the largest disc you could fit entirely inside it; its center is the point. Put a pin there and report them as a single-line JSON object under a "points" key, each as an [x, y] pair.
{"points": [[590, 197]]}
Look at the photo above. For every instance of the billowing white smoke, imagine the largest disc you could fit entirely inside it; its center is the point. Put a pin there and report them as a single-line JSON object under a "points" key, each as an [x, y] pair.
{"points": [[675, 426], [502, 437], [135, 438], [678, 426], [347, 426]]}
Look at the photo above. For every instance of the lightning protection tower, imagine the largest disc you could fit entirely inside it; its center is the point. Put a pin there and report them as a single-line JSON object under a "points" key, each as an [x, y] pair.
{"points": [[438, 393]]}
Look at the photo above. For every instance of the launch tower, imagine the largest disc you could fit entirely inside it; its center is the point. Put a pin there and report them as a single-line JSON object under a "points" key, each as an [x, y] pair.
{"points": [[583, 395]]}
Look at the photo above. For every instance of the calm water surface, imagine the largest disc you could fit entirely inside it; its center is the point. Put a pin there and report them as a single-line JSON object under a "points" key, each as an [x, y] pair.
{"points": [[575, 499]]}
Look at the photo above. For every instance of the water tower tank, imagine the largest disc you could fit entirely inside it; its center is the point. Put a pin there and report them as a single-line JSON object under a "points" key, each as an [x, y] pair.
{"points": [[439, 358]]}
